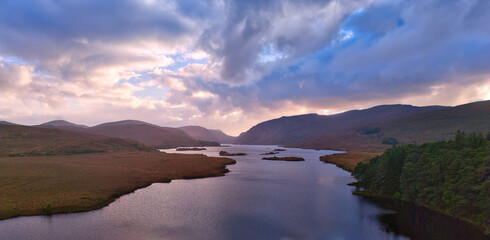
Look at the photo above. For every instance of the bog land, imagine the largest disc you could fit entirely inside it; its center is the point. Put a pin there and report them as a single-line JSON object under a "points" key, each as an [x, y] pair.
{"points": [[47, 185]]}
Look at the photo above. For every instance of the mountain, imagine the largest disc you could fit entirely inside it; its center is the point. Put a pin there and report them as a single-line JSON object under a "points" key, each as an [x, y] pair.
{"points": [[23, 141], [300, 128], [125, 122], [222, 137], [143, 132], [205, 134], [423, 127], [61, 124], [161, 137], [7, 123]]}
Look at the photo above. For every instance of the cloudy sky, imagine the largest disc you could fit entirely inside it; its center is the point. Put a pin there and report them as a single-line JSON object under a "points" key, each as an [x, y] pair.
{"points": [[232, 64]]}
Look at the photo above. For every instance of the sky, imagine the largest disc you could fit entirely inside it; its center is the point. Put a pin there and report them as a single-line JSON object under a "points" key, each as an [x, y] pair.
{"points": [[232, 64]]}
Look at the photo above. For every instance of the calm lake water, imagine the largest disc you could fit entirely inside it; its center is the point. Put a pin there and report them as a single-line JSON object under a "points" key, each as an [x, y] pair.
{"points": [[258, 199]]}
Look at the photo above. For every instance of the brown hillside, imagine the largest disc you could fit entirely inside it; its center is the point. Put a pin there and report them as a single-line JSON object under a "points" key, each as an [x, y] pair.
{"points": [[419, 128], [201, 133], [297, 129], [161, 137], [24, 141]]}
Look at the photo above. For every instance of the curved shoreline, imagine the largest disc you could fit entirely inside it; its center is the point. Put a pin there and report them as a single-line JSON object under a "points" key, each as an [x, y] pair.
{"points": [[407, 208], [346, 161], [80, 183]]}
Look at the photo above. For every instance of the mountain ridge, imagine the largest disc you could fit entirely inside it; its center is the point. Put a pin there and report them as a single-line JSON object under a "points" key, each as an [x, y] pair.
{"points": [[204, 134], [419, 128], [62, 123], [146, 133], [20, 140], [299, 128]]}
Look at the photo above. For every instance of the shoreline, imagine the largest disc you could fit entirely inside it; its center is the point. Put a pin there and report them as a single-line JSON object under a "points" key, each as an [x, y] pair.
{"points": [[64, 184], [348, 161], [399, 205], [341, 160]]}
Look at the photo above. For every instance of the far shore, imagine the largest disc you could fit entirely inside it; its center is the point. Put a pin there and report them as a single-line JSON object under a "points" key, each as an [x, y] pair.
{"points": [[290, 159], [45, 185], [348, 161]]}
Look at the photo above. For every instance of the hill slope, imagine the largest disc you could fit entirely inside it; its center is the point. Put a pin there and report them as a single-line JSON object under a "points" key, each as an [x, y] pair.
{"points": [[65, 125], [429, 126], [143, 132], [222, 137], [62, 123], [24, 141], [125, 122], [7, 123], [161, 137], [201, 133], [296, 129]]}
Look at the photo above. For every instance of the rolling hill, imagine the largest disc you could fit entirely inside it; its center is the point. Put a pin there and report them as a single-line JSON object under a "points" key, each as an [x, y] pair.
{"points": [[160, 137], [65, 125], [125, 122], [7, 123], [143, 132], [300, 128], [19, 140], [205, 134], [436, 125]]}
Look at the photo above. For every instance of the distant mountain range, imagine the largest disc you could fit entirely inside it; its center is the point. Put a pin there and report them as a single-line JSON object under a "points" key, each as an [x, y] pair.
{"points": [[373, 129], [368, 130], [149, 134], [143, 132], [205, 134], [63, 137], [17, 140]]}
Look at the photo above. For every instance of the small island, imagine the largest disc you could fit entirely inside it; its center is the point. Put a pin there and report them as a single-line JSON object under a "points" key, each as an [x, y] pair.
{"points": [[269, 153], [296, 159], [225, 153], [190, 149]]}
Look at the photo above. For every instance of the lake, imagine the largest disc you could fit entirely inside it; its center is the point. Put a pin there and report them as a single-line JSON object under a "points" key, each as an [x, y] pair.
{"points": [[258, 199]]}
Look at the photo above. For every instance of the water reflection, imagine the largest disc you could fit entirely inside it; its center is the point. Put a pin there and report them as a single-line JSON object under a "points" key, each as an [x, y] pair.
{"points": [[422, 223]]}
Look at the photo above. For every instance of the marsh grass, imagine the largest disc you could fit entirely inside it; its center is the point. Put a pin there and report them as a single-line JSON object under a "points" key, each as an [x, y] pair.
{"points": [[45, 185], [348, 161]]}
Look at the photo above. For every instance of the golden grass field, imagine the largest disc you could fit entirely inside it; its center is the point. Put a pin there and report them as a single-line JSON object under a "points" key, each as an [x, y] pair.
{"points": [[36, 185], [348, 161]]}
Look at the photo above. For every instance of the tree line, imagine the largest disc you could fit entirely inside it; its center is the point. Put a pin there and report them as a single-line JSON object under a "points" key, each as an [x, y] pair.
{"points": [[450, 176]]}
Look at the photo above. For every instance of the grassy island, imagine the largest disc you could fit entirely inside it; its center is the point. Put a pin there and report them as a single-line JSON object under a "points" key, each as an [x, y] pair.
{"points": [[225, 153], [190, 149], [269, 153], [295, 159]]}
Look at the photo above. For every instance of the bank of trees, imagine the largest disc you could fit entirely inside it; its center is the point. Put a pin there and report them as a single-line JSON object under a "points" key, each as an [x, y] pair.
{"points": [[451, 176]]}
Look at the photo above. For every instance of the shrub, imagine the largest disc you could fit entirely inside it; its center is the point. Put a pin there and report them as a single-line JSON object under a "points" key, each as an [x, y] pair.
{"points": [[390, 141]]}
